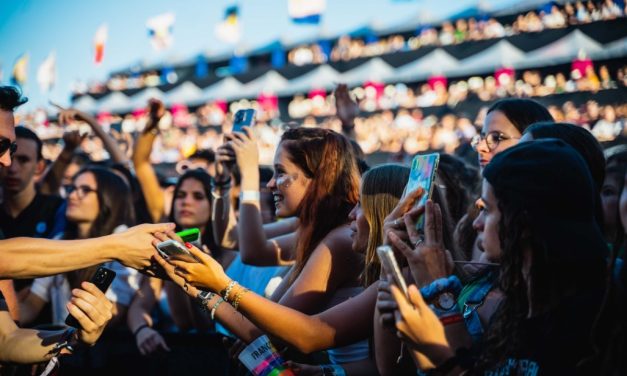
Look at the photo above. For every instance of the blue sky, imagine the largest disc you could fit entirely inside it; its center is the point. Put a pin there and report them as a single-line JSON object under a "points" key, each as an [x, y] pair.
{"points": [[68, 26]]}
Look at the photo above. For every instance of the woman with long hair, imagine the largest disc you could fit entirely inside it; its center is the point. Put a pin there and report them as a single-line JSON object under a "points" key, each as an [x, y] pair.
{"points": [[190, 208], [343, 324], [99, 204], [552, 267]]}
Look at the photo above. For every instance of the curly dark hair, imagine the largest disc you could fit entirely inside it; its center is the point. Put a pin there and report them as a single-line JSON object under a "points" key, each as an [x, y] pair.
{"points": [[11, 98]]}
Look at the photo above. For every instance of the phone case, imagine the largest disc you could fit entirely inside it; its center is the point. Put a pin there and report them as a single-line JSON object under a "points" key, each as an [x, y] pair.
{"points": [[422, 175], [172, 248], [386, 256], [102, 279], [243, 118]]}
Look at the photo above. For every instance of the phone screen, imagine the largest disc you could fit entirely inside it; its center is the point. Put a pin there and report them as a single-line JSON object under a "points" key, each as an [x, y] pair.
{"points": [[422, 175], [172, 248]]}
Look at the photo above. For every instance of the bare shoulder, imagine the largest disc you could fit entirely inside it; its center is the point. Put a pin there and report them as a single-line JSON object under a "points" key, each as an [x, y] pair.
{"points": [[338, 240]]}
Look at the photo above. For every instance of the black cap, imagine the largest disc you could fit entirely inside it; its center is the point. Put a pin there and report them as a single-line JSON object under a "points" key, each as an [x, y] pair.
{"points": [[554, 184]]}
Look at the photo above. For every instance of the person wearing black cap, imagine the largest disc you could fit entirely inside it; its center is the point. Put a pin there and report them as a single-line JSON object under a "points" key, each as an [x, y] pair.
{"points": [[538, 217]]}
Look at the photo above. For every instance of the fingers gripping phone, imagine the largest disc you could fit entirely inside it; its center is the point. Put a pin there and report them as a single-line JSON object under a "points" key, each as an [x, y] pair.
{"points": [[176, 250], [102, 279], [422, 175], [390, 266], [243, 118]]}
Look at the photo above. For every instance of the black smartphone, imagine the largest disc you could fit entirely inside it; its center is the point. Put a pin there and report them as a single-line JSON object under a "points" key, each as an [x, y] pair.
{"points": [[243, 118], [102, 279]]}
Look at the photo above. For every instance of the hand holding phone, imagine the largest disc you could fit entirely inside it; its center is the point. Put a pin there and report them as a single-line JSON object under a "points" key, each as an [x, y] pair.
{"points": [[176, 250], [102, 279], [390, 266]]}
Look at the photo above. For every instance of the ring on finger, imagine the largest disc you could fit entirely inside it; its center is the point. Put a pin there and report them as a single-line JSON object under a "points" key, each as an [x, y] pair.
{"points": [[396, 222], [417, 243], [185, 286]]}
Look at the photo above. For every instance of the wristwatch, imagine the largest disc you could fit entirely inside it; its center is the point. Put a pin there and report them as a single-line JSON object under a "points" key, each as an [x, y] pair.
{"points": [[445, 301], [203, 299]]}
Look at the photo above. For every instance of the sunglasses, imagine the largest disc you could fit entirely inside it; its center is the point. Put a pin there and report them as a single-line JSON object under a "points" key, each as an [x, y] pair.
{"points": [[81, 191], [7, 145], [492, 139]]}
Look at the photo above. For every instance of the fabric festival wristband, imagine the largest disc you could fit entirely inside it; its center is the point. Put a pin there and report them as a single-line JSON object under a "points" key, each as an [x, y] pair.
{"points": [[451, 319], [262, 359], [249, 196]]}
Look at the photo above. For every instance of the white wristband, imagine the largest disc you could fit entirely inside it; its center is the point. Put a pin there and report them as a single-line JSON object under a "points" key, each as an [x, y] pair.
{"points": [[245, 196]]}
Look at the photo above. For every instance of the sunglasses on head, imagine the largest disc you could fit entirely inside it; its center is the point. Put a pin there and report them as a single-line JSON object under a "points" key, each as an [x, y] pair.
{"points": [[7, 145]]}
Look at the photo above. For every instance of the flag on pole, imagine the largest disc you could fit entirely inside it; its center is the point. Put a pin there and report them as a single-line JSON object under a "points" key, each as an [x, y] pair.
{"points": [[306, 11], [99, 43], [229, 30], [20, 70], [46, 74], [160, 31]]}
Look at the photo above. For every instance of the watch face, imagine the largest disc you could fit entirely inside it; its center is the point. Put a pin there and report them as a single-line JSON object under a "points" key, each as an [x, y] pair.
{"points": [[204, 294], [446, 301]]}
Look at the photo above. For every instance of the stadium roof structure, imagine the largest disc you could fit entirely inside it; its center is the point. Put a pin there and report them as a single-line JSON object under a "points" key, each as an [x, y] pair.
{"points": [[597, 40]]}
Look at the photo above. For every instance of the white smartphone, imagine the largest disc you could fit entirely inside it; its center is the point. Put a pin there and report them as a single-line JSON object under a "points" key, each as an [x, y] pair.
{"points": [[386, 256], [176, 250]]}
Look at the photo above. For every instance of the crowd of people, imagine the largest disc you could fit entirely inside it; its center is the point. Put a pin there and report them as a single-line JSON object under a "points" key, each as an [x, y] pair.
{"points": [[510, 269], [347, 48]]}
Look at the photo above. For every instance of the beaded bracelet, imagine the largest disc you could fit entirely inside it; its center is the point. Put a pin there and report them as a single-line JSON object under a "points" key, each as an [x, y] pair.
{"points": [[215, 307], [225, 293]]}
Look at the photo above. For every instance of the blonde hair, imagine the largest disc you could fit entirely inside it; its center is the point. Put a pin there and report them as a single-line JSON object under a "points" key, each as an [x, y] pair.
{"points": [[381, 190]]}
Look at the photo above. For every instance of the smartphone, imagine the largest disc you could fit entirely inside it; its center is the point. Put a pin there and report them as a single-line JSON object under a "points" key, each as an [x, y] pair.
{"points": [[172, 248], [243, 118], [422, 175], [192, 236], [102, 279], [390, 266]]}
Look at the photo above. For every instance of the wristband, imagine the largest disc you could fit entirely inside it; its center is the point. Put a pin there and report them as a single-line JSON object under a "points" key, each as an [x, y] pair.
{"points": [[139, 329], [247, 196], [262, 359], [451, 319]]}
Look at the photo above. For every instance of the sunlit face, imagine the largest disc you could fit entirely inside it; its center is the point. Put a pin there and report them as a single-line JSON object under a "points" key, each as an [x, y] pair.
{"points": [[7, 130], [21, 173], [496, 121], [82, 202], [360, 229], [191, 205], [487, 223], [288, 184]]}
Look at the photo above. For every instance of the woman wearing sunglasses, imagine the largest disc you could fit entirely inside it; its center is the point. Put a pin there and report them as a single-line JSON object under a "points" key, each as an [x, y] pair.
{"points": [[99, 204], [504, 125]]}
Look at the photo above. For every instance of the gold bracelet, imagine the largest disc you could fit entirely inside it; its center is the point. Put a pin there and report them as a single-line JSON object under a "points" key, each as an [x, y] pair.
{"points": [[238, 297]]}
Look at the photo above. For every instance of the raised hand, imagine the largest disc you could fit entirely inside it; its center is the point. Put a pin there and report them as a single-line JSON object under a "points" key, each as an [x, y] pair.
{"points": [[92, 310], [246, 151], [345, 107], [419, 326], [394, 222], [73, 139], [427, 257], [156, 110]]}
